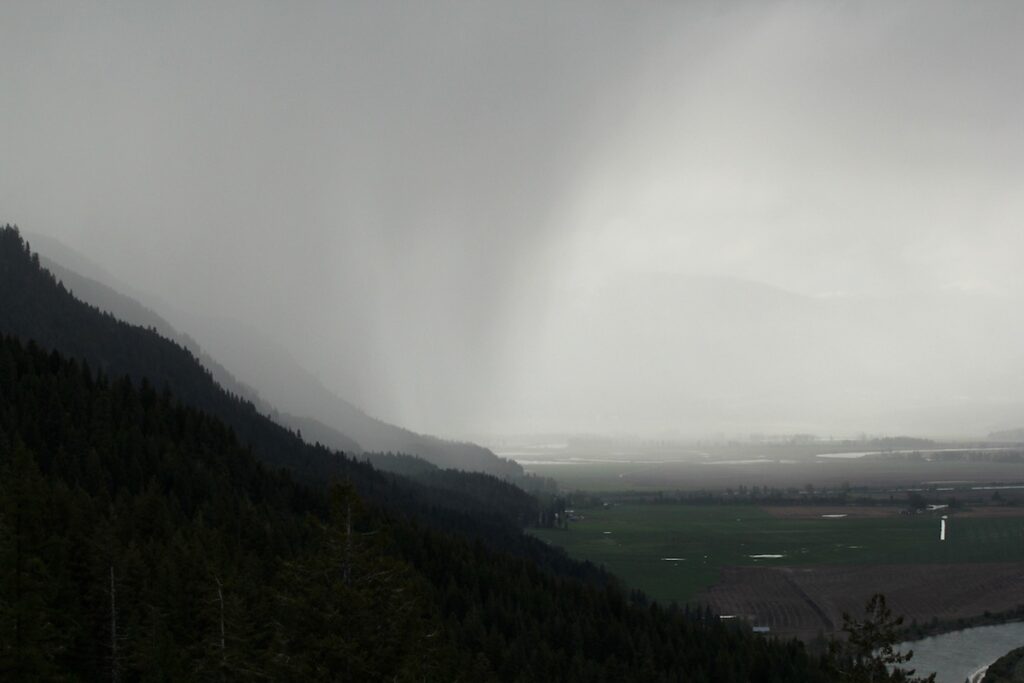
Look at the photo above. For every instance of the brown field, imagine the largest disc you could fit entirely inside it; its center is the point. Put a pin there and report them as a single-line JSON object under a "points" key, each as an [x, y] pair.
{"points": [[804, 601]]}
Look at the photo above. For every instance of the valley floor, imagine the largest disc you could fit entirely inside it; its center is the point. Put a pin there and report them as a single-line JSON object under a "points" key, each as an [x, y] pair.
{"points": [[796, 569]]}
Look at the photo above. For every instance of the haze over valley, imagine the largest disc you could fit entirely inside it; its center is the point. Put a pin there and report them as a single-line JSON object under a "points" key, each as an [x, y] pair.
{"points": [[523, 341], [471, 221]]}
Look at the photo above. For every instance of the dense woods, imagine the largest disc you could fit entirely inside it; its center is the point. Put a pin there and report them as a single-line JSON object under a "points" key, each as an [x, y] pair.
{"points": [[152, 528], [140, 538]]}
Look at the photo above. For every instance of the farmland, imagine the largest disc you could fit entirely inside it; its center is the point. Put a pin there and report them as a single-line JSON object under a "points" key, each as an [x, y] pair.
{"points": [[796, 571], [780, 470], [805, 600], [877, 464]]}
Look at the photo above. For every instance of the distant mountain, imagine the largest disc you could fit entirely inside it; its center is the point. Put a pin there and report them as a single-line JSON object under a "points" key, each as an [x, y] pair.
{"points": [[125, 308], [307, 405], [287, 390], [337, 417], [35, 306], [719, 355], [94, 286]]}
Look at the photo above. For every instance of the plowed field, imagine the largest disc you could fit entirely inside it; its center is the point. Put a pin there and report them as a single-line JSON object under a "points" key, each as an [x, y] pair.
{"points": [[806, 600]]}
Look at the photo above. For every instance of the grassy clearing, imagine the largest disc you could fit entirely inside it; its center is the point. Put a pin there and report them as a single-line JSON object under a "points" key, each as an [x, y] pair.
{"points": [[632, 540]]}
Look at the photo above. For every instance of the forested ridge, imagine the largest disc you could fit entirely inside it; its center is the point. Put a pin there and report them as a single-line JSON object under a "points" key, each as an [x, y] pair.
{"points": [[140, 540], [35, 306], [147, 535], [340, 425], [140, 537]]}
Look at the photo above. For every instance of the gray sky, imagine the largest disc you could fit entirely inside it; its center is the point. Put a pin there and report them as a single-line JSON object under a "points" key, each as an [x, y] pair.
{"points": [[478, 217]]}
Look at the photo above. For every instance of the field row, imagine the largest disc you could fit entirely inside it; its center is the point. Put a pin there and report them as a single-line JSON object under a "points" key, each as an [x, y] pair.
{"points": [[805, 601]]}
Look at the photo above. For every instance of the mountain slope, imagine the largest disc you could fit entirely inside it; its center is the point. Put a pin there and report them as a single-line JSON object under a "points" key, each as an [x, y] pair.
{"points": [[129, 310], [139, 538], [34, 306], [296, 397], [304, 403]]}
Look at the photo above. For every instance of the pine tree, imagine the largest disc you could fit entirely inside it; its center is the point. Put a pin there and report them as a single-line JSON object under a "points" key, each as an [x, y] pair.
{"points": [[869, 654]]}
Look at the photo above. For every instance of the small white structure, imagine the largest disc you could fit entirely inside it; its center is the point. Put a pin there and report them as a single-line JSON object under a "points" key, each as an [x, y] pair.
{"points": [[942, 528]]}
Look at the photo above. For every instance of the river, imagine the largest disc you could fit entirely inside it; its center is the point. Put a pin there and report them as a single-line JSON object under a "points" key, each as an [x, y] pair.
{"points": [[962, 655]]}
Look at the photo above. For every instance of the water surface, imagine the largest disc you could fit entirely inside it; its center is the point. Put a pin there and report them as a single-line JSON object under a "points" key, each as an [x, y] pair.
{"points": [[962, 655]]}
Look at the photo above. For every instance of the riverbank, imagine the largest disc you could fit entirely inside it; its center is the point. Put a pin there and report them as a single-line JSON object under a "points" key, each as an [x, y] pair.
{"points": [[936, 627], [1007, 669], [965, 654]]}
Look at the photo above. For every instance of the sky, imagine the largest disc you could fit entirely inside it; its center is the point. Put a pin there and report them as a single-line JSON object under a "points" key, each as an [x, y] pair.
{"points": [[477, 218]]}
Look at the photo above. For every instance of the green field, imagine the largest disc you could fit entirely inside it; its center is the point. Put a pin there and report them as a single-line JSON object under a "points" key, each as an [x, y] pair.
{"points": [[631, 540]]}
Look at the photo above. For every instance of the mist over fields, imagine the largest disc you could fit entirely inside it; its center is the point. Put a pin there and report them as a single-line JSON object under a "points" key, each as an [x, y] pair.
{"points": [[522, 217], [512, 341]]}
